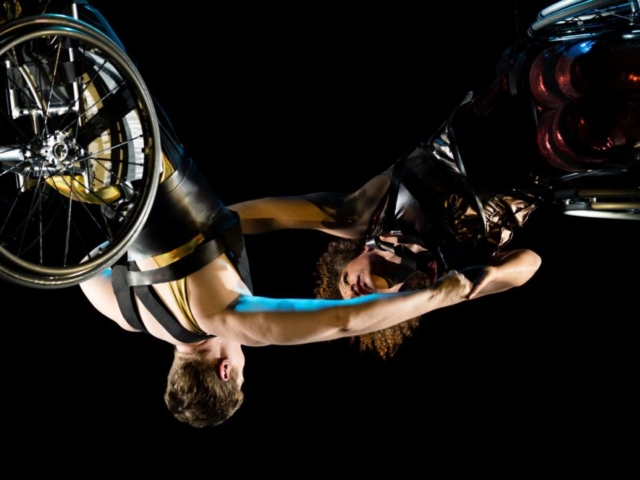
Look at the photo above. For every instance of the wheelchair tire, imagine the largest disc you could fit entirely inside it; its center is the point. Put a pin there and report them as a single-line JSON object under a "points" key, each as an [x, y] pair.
{"points": [[80, 155]]}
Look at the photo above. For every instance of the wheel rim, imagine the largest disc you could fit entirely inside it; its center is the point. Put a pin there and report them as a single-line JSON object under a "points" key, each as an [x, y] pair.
{"points": [[79, 155]]}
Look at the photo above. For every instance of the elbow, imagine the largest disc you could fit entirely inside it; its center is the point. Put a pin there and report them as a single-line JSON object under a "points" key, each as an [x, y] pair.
{"points": [[534, 262], [354, 321], [345, 327], [530, 267], [346, 324]]}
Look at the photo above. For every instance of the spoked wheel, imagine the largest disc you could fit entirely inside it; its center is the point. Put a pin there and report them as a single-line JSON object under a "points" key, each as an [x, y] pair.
{"points": [[80, 152], [585, 18]]}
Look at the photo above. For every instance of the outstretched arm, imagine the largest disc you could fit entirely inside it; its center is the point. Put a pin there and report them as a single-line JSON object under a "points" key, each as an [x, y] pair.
{"points": [[506, 270], [340, 214], [258, 321], [223, 306]]}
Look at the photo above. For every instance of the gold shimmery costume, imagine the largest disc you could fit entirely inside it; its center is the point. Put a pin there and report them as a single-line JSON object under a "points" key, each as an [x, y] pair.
{"points": [[187, 228], [179, 287]]}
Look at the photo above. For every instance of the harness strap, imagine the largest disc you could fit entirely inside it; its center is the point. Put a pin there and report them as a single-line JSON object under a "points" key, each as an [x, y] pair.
{"points": [[180, 268], [129, 282], [126, 297], [224, 237], [408, 258], [388, 223], [387, 220], [163, 315], [433, 209]]}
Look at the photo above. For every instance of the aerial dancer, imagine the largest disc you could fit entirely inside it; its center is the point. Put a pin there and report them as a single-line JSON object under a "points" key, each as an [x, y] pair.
{"points": [[454, 202], [185, 278]]}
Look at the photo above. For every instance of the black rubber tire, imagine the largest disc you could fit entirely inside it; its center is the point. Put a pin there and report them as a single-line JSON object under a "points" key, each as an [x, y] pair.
{"points": [[82, 120]]}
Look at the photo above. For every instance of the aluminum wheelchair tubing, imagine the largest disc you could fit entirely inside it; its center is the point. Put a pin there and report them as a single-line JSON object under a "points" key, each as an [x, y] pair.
{"points": [[566, 6], [608, 203], [80, 155], [575, 19]]}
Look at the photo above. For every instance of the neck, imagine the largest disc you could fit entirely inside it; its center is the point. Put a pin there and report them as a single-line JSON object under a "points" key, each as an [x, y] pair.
{"points": [[216, 346], [213, 345]]}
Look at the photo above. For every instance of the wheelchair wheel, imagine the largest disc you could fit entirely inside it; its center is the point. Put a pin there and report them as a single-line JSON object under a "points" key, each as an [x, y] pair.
{"points": [[570, 19], [80, 155]]}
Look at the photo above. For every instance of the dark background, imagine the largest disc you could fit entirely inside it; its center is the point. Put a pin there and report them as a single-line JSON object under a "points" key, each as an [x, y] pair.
{"points": [[277, 101]]}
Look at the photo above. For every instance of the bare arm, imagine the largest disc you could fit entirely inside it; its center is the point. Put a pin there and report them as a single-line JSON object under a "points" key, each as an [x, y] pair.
{"points": [[257, 321], [507, 270], [340, 214], [224, 307]]}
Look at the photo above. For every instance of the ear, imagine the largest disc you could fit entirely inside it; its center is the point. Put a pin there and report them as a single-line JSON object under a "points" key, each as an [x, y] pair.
{"points": [[224, 369]]}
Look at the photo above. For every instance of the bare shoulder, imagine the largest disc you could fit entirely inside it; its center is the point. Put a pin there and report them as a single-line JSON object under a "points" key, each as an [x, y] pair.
{"points": [[212, 290], [99, 291]]}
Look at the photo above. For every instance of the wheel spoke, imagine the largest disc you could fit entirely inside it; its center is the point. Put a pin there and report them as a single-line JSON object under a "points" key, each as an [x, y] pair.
{"points": [[79, 158]]}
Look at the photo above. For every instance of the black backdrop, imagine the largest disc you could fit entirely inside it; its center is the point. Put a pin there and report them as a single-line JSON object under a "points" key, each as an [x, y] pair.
{"points": [[275, 101]]}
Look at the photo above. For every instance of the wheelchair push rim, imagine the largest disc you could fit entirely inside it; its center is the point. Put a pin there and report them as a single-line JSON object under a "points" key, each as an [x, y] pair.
{"points": [[80, 152]]}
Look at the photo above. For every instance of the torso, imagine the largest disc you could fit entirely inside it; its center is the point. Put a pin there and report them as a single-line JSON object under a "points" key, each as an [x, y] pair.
{"points": [[219, 276], [197, 242], [435, 210]]}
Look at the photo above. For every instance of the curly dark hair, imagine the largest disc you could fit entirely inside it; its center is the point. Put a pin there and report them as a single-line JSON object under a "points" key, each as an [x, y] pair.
{"points": [[329, 268], [195, 393]]}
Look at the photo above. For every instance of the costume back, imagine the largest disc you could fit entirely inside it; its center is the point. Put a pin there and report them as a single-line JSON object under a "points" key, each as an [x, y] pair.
{"points": [[552, 110]]}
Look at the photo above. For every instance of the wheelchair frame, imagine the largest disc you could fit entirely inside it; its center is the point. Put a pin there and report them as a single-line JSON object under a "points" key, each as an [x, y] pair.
{"points": [[80, 155], [610, 193]]}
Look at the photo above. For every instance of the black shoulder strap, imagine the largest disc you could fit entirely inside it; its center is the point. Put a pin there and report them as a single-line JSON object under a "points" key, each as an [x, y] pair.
{"points": [[387, 221], [160, 312], [180, 268], [125, 297], [388, 224], [225, 237], [231, 233]]}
